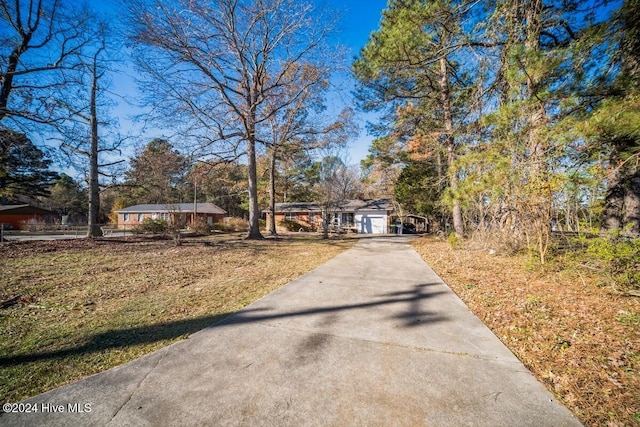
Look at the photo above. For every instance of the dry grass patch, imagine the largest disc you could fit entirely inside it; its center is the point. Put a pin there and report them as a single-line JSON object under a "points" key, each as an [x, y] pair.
{"points": [[581, 340], [85, 306]]}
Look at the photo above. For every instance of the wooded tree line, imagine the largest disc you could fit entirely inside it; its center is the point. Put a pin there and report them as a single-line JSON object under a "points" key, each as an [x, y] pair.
{"points": [[513, 117], [228, 80]]}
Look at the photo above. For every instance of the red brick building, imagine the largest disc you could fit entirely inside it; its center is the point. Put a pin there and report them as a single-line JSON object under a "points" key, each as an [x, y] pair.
{"points": [[175, 213], [20, 216]]}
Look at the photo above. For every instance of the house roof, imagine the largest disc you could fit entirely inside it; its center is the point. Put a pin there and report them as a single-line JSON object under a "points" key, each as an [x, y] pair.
{"points": [[208, 208], [368, 204], [345, 206], [298, 207], [24, 210]]}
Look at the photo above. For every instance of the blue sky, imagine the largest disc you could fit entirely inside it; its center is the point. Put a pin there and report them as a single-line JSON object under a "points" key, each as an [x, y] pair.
{"points": [[358, 19]]}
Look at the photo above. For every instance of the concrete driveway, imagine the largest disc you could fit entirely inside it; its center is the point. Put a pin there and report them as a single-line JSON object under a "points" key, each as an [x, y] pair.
{"points": [[371, 338], [20, 237], [61, 235]]}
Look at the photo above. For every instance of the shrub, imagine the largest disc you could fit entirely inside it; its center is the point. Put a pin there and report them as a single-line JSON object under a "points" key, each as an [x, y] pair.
{"points": [[231, 224], [617, 257], [454, 241], [201, 227], [291, 225], [152, 226], [236, 224]]}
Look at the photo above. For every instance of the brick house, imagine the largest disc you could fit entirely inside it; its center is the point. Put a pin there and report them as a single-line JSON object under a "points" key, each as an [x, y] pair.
{"points": [[365, 216], [175, 213], [20, 216]]}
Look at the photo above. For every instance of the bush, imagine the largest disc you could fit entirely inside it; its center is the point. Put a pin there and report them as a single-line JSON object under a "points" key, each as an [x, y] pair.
{"points": [[237, 224], [291, 225], [154, 226], [454, 241], [201, 227], [617, 257], [231, 224]]}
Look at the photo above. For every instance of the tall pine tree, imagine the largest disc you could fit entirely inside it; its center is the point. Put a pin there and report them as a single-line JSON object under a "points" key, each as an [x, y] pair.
{"points": [[412, 66]]}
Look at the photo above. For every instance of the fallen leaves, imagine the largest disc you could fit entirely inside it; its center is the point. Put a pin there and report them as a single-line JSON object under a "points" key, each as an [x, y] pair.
{"points": [[579, 339]]}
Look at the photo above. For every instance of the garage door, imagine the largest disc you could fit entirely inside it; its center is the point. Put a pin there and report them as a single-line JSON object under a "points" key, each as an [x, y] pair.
{"points": [[371, 224], [378, 225]]}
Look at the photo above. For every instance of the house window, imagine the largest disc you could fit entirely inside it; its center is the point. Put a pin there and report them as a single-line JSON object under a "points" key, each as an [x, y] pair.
{"points": [[347, 219], [312, 217], [140, 217], [125, 217], [290, 216]]}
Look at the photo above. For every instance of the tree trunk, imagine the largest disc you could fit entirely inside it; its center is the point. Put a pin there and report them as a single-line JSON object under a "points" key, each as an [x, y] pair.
{"points": [[537, 147], [539, 195], [614, 197], [622, 199], [445, 99], [12, 66], [94, 229], [325, 222], [272, 193], [631, 215], [254, 212]]}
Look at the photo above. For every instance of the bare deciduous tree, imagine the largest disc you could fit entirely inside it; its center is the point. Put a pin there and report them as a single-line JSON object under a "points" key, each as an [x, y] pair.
{"points": [[84, 131], [39, 43], [304, 126], [218, 70], [337, 184]]}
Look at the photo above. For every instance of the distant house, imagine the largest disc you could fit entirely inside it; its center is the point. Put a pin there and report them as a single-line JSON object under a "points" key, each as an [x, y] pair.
{"points": [[366, 216], [175, 213], [20, 216]]}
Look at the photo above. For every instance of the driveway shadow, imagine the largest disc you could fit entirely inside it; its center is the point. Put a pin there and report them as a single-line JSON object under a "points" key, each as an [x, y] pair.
{"points": [[411, 316]]}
